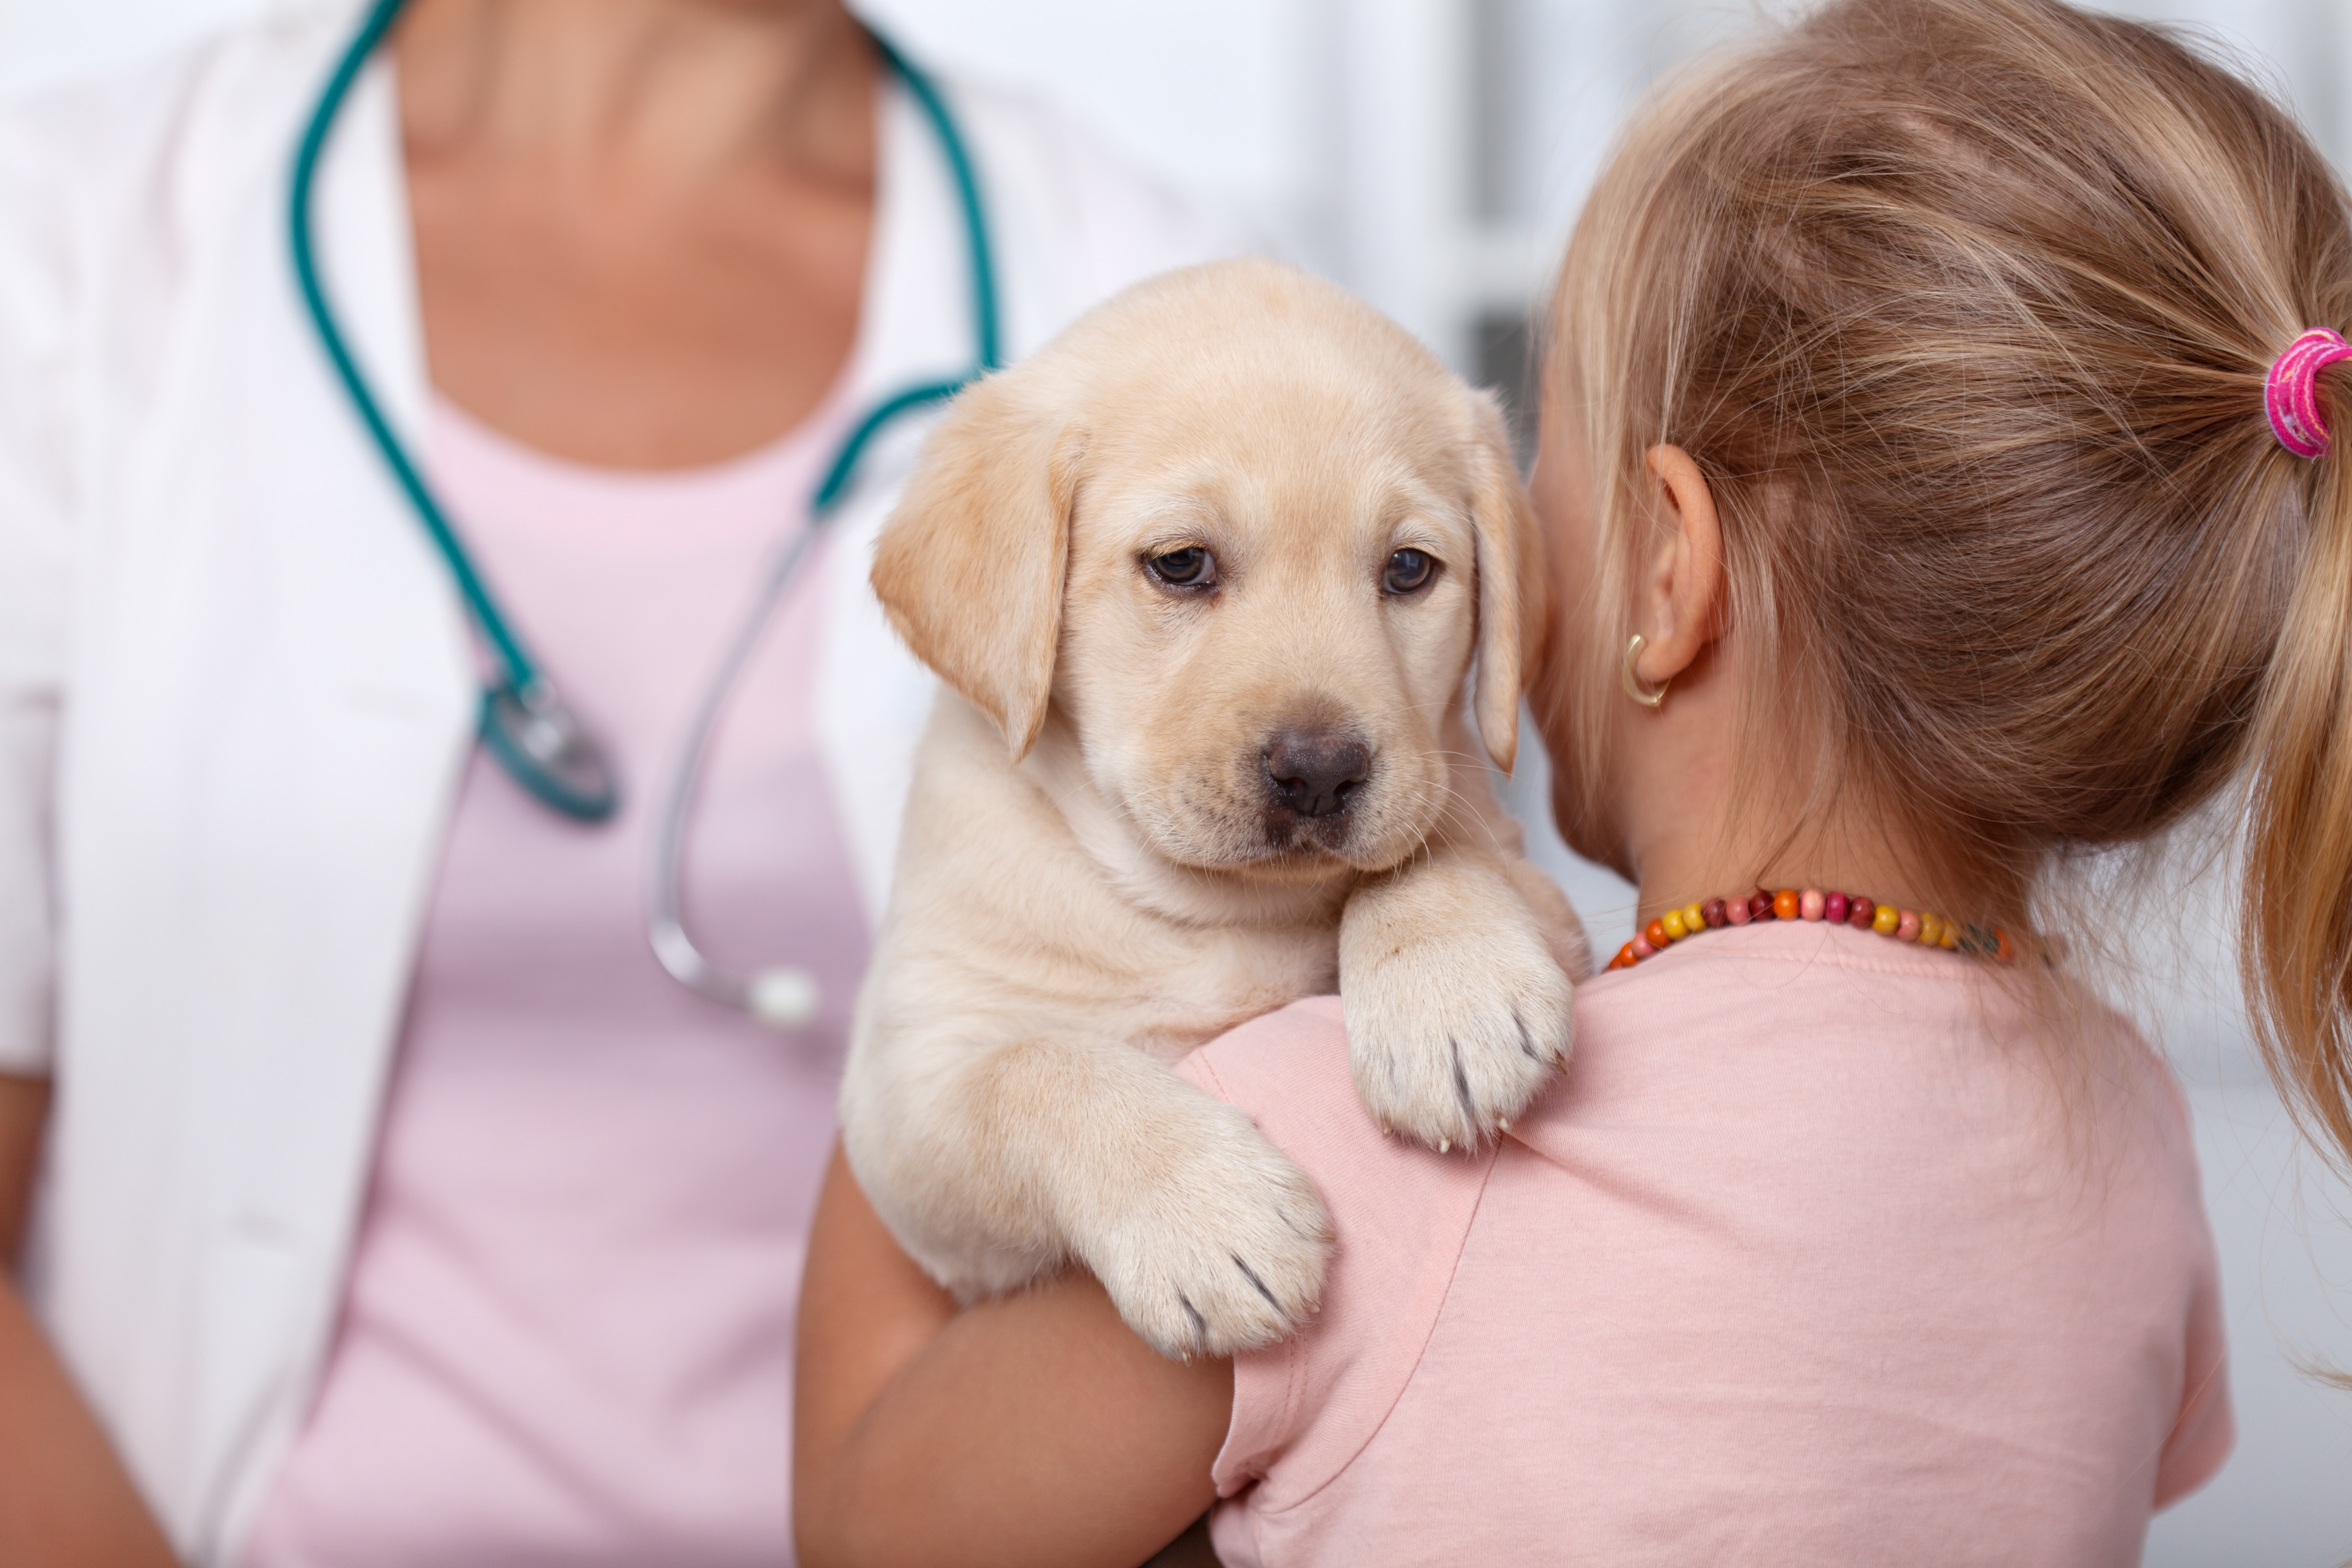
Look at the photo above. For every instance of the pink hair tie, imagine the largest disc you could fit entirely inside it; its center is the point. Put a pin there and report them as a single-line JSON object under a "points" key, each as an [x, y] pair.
{"points": [[2291, 396]]}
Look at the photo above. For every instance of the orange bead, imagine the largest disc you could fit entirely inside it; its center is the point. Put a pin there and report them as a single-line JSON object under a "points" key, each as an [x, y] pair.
{"points": [[1625, 959], [2001, 950], [1784, 904], [1656, 933]]}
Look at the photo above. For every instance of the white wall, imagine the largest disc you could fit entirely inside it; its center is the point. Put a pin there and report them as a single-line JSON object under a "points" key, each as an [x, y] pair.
{"points": [[1430, 152]]}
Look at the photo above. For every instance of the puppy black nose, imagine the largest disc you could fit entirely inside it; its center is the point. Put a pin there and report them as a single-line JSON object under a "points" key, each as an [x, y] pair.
{"points": [[1315, 772]]}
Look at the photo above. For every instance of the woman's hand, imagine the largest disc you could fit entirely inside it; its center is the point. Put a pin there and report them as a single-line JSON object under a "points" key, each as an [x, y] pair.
{"points": [[1035, 1430], [65, 1497]]}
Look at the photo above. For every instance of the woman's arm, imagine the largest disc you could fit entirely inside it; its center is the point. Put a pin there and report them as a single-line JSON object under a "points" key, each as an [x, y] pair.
{"points": [[1036, 1430], [65, 1497]]}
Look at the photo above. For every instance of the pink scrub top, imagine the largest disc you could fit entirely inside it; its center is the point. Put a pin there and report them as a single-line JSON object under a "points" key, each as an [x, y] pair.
{"points": [[567, 1330], [1805, 1262]]}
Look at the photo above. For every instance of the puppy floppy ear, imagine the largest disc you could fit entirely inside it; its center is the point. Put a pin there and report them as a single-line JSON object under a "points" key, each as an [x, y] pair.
{"points": [[971, 565], [1514, 601]]}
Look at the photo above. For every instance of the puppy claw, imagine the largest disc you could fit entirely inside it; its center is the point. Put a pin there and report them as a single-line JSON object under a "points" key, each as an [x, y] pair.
{"points": [[1200, 1324], [1256, 1283]]}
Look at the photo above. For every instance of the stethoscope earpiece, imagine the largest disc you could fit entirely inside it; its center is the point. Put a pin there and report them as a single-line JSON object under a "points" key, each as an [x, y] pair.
{"points": [[784, 997]]}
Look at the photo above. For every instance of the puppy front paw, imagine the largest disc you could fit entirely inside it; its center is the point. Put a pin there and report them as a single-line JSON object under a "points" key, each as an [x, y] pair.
{"points": [[1219, 1246], [1457, 1012]]}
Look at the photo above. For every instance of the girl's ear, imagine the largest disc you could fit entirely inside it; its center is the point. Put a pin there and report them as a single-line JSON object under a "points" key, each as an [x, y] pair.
{"points": [[971, 565], [1681, 588], [1514, 595]]}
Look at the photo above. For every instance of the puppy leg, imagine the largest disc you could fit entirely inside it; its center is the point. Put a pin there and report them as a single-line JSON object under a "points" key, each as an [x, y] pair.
{"points": [[1563, 931], [1474, 822], [1457, 1006], [993, 1167]]}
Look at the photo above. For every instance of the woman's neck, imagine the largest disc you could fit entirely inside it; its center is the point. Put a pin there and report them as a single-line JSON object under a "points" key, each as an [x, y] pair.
{"points": [[657, 90], [641, 225]]}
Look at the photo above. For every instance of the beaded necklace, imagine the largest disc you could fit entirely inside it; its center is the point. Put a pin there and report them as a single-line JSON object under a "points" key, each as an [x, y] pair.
{"points": [[1811, 904]]}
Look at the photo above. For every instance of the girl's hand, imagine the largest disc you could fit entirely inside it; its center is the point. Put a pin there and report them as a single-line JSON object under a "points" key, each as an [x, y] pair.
{"points": [[1035, 1430]]}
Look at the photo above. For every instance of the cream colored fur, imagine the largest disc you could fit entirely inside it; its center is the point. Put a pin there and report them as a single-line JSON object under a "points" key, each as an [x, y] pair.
{"points": [[1098, 874]]}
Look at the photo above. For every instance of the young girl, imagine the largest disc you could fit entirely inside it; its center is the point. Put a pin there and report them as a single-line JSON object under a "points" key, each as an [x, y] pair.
{"points": [[1936, 463]]}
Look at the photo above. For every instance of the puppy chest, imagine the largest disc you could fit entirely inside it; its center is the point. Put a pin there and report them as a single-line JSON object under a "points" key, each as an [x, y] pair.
{"points": [[1217, 979]]}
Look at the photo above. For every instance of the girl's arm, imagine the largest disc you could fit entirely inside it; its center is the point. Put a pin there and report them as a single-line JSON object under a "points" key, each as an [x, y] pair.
{"points": [[1035, 1430]]}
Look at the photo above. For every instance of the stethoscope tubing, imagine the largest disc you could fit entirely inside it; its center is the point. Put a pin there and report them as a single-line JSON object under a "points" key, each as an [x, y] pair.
{"points": [[781, 994], [665, 920], [514, 662]]}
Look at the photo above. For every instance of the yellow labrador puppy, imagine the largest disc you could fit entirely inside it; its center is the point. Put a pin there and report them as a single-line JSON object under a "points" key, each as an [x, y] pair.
{"points": [[1206, 577]]}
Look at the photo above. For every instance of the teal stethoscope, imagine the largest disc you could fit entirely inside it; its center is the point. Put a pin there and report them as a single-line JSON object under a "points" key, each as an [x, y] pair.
{"points": [[530, 731]]}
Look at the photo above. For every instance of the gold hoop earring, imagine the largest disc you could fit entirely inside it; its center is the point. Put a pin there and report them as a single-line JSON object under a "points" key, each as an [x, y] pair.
{"points": [[1632, 683]]}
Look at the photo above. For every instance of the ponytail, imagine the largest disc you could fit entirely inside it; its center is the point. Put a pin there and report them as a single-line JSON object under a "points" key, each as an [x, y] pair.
{"points": [[2297, 955]]}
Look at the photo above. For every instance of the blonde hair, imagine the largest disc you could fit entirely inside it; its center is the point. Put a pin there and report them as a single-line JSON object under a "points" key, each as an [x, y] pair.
{"points": [[1964, 308]]}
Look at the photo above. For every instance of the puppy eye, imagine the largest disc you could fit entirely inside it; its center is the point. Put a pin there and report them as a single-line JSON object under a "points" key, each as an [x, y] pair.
{"points": [[1191, 567], [1408, 570]]}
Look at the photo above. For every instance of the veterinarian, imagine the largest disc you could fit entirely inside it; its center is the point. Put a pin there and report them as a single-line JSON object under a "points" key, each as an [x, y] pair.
{"points": [[391, 466]]}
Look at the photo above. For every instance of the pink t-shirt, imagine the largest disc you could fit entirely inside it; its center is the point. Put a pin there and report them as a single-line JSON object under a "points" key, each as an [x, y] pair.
{"points": [[1804, 1263], [567, 1330]]}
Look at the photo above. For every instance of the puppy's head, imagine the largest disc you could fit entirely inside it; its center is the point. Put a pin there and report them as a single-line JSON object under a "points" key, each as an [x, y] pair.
{"points": [[1245, 533]]}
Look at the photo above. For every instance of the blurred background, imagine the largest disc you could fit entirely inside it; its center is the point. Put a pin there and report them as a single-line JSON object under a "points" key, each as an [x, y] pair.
{"points": [[1431, 154]]}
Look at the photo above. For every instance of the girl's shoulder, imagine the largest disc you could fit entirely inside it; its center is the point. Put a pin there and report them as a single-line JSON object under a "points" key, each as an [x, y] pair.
{"points": [[1804, 1208], [1754, 1034], [1806, 1030], [1400, 1215]]}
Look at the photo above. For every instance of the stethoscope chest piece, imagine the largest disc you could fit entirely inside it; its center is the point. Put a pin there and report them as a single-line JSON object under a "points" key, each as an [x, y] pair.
{"points": [[542, 744]]}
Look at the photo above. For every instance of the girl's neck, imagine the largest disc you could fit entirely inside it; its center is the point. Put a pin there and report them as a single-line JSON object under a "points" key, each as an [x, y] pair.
{"points": [[1844, 854], [1690, 828]]}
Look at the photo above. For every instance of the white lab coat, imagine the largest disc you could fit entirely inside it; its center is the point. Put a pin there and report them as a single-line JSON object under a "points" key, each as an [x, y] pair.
{"points": [[236, 688]]}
